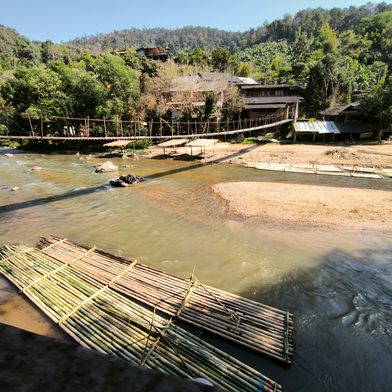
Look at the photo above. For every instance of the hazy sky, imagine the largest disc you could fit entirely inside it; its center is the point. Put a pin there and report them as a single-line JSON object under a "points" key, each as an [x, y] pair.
{"points": [[61, 20]]}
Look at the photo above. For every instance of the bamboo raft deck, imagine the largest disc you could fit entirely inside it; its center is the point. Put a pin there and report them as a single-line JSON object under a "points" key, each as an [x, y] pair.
{"points": [[100, 318], [251, 324]]}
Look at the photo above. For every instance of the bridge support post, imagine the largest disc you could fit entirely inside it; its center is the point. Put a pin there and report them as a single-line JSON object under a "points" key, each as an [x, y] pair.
{"points": [[42, 126], [104, 127]]}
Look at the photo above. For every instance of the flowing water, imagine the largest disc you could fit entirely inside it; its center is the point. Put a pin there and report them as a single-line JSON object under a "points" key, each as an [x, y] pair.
{"points": [[338, 285]]}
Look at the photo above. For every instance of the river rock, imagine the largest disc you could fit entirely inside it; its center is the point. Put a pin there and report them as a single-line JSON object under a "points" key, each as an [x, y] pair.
{"points": [[36, 168], [8, 155], [118, 183], [124, 181], [106, 167], [15, 188]]}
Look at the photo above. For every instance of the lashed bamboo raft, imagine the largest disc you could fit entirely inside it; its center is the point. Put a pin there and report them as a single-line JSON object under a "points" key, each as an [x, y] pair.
{"points": [[260, 327], [100, 318]]}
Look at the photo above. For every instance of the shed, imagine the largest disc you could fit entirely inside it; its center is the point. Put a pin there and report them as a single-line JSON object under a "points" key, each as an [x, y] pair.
{"points": [[315, 127]]}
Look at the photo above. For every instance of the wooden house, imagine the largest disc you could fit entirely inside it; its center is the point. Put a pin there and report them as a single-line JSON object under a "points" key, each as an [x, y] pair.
{"points": [[155, 53], [262, 100], [349, 119]]}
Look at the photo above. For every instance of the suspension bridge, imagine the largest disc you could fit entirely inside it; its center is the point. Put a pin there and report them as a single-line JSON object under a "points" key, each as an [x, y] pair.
{"points": [[58, 128]]}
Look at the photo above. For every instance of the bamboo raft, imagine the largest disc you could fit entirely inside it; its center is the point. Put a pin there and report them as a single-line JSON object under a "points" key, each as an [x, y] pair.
{"points": [[100, 318], [256, 326]]}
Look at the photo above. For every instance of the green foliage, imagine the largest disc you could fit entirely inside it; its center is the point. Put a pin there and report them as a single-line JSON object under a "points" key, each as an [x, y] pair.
{"points": [[329, 52], [210, 106], [199, 57], [142, 144], [16, 50], [222, 59], [250, 140], [34, 91], [3, 129], [328, 39], [269, 60], [186, 38], [378, 29], [378, 105], [243, 69]]}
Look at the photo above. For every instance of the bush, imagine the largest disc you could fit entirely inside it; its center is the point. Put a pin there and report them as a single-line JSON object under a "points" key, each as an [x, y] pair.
{"points": [[142, 144]]}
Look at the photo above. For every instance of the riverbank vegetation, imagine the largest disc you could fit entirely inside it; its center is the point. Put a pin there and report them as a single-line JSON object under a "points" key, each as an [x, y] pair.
{"points": [[330, 53]]}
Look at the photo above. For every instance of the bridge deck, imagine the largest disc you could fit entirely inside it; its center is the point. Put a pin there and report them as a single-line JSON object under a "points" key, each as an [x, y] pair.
{"points": [[153, 137]]}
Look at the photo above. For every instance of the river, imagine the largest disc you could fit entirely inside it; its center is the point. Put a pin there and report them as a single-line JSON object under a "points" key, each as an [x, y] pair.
{"points": [[337, 284]]}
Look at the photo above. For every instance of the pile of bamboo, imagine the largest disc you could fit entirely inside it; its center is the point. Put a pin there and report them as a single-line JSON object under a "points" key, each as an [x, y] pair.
{"points": [[100, 318], [260, 327]]}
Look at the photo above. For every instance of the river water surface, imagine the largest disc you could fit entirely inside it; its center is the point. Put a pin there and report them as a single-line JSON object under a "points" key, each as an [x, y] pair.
{"points": [[337, 284]]}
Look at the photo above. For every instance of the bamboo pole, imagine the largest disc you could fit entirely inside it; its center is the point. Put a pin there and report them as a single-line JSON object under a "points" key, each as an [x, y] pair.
{"points": [[99, 317], [254, 325]]}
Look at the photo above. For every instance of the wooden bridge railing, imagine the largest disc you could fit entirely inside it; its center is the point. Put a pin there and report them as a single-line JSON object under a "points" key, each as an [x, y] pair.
{"points": [[76, 128]]}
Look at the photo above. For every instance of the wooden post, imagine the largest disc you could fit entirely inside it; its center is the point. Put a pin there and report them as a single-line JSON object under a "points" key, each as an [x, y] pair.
{"points": [[104, 127], [42, 126], [31, 126], [195, 127], [160, 127], [88, 126], [150, 126], [188, 128], [295, 136]]}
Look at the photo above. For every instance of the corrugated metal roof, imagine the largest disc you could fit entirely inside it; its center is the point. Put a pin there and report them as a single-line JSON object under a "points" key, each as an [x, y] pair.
{"points": [[316, 127], [267, 86], [338, 109], [272, 99], [266, 106]]}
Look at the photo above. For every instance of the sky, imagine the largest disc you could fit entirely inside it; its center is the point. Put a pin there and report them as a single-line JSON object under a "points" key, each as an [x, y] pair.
{"points": [[62, 20]]}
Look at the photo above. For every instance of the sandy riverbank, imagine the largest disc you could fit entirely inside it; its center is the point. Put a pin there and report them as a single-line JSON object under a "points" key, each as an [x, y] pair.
{"points": [[310, 205], [379, 155]]}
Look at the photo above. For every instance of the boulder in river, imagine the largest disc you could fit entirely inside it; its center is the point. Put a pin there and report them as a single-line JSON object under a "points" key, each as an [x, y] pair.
{"points": [[36, 168], [124, 181], [118, 183], [8, 155], [15, 188], [106, 167]]}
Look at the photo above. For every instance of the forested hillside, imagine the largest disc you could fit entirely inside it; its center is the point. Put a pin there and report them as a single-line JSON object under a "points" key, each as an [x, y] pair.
{"points": [[330, 53], [189, 37]]}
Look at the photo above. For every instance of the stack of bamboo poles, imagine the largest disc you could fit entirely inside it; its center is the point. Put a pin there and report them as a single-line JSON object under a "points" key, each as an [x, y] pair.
{"points": [[100, 318], [260, 327]]}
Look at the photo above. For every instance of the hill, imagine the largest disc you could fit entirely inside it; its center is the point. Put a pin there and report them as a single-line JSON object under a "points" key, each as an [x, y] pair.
{"points": [[309, 21]]}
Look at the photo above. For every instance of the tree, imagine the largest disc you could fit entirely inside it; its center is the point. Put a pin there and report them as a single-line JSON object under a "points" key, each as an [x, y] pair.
{"points": [[35, 90], [121, 83], [84, 92], [199, 57], [243, 69], [328, 39], [329, 80], [378, 106], [221, 59], [378, 29]]}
